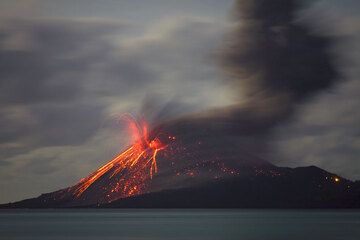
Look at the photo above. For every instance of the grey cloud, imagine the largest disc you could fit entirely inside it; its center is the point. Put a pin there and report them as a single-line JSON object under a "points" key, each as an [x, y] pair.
{"points": [[53, 65], [67, 124], [25, 78], [41, 166], [51, 78]]}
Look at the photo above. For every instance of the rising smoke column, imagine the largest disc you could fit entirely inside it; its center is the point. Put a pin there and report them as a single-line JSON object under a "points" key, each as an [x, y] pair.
{"points": [[272, 55], [275, 63]]}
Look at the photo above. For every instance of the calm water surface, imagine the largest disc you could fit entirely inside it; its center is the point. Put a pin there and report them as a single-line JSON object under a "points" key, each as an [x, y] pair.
{"points": [[180, 224]]}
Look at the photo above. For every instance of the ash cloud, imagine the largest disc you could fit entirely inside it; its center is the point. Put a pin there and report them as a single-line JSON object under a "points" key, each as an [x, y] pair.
{"points": [[276, 64], [274, 55]]}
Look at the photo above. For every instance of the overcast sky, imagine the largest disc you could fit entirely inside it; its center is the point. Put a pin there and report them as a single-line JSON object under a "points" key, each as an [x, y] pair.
{"points": [[68, 69]]}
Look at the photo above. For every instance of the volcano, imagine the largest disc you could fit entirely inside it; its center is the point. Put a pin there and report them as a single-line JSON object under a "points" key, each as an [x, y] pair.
{"points": [[166, 171]]}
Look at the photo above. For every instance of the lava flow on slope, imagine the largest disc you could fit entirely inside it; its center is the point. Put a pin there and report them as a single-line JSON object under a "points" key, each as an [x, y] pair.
{"points": [[128, 173]]}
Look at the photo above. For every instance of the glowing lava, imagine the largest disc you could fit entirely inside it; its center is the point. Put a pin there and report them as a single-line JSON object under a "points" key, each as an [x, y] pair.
{"points": [[132, 168], [185, 162]]}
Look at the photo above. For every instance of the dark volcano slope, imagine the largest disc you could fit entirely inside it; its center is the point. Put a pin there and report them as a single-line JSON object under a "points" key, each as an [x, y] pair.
{"points": [[308, 187], [46, 200]]}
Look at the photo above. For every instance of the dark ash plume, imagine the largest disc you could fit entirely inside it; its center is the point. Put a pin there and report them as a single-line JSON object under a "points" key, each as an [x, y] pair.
{"points": [[273, 55], [276, 63]]}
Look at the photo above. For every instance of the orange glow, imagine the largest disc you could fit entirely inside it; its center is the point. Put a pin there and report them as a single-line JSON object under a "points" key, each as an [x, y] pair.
{"points": [[337, 179], [133, 167], [133, 171]]}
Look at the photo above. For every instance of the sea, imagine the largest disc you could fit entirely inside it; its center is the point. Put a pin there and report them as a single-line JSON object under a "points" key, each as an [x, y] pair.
{"points": [[207, 224]]}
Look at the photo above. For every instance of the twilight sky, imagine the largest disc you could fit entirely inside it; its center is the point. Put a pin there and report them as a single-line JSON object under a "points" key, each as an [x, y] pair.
{"points": [[68, 69]]}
